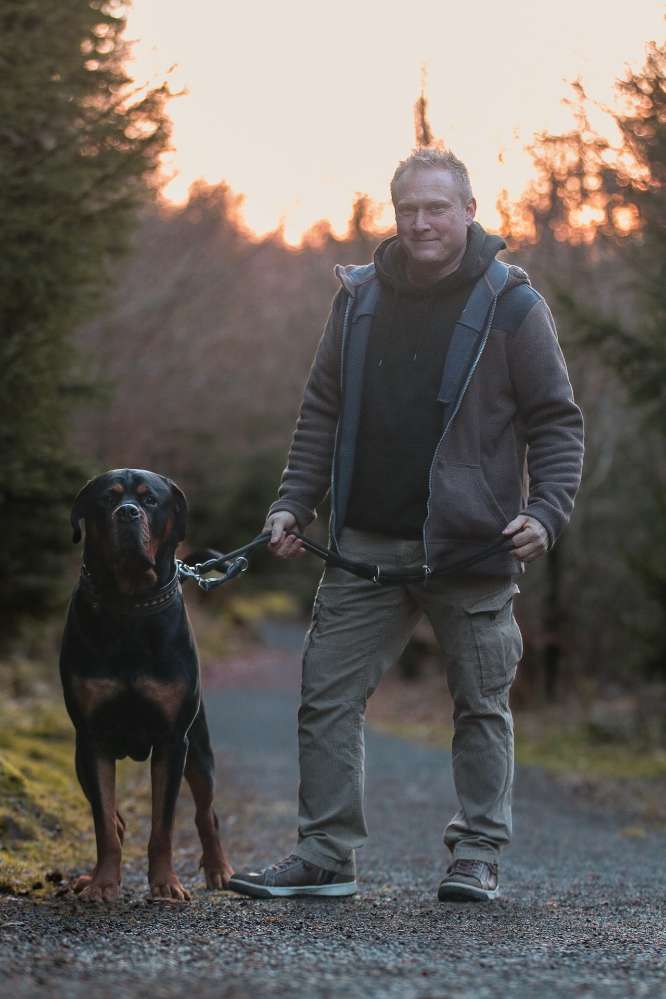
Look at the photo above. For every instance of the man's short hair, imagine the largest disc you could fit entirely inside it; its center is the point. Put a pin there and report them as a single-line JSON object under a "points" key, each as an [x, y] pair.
{"points": [[438, 159]]}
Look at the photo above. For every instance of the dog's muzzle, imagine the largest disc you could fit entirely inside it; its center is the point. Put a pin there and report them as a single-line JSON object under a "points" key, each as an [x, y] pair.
{"points": [[131, 538], [127, 512]]}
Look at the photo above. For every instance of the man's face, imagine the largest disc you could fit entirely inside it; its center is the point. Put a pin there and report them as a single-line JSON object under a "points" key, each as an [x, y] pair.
{"points": [[432, 219]]}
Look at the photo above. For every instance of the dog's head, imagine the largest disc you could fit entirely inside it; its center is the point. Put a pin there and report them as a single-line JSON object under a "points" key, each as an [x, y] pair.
{"points": [[133, 521]]}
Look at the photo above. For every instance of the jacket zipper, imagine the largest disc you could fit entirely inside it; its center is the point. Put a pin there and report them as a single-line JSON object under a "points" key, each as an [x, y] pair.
{"points": [[345, 328], [450, 420]]}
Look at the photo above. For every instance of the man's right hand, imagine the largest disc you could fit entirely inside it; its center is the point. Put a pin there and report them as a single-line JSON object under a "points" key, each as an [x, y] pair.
{"points": [[283, 544]]}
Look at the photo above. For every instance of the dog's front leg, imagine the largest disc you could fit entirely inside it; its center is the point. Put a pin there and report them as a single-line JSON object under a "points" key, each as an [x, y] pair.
{"points": [[199, 771], [167, 765], [97, 776]]}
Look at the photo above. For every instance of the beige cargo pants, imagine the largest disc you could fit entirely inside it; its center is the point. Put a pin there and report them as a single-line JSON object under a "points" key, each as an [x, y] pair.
{"points": [[358, 631]]}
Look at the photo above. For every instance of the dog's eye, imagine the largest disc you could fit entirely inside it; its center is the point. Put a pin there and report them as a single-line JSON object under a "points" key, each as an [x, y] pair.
{"points": [[149, 500]]}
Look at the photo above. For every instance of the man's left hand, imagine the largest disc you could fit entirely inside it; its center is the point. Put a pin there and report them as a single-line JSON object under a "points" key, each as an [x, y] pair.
{"points": [[529, 536]]}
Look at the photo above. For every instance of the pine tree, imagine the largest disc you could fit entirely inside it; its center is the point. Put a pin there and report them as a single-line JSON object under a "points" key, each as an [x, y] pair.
{"points": [[586, 189], [79, 144], [606, 204]]}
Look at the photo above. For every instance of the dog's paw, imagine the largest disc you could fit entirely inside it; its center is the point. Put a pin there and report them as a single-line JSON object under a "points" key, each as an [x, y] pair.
{"points": [[217, 869], [169, 888], [94, 888], [217, 877]]}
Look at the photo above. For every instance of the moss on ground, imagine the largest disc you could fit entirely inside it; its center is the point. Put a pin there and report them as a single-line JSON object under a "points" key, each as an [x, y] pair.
{"points": [[45, 821], [43, 816], [576, 751]]}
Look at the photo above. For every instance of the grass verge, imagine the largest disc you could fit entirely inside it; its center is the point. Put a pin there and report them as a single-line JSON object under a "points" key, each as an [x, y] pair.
{"points": [[46, 830], [558, 749], [44, 818], [559, 740]]}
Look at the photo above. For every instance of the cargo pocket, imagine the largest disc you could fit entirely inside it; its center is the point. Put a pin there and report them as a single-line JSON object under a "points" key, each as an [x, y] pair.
{"points": [[497, 642]]}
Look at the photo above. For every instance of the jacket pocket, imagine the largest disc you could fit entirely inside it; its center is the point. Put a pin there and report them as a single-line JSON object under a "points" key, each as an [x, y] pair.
{"points": [[497, 642], [463, 505]]}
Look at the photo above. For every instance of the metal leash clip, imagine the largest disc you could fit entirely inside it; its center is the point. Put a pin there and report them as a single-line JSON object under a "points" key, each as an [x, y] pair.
{"points": [[229, 569], [186, 571], [235, 568]]}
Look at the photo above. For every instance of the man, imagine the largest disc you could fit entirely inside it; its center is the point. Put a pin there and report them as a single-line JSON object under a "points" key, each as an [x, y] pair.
{"points": [[437, 379]]}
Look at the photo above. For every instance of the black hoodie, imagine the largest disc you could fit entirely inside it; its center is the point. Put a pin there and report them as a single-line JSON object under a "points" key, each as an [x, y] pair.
{"points": [[401, 420]]}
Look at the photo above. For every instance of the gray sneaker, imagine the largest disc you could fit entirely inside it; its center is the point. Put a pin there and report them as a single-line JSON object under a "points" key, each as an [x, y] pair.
{"points": [[469, 881], [292, 876]]}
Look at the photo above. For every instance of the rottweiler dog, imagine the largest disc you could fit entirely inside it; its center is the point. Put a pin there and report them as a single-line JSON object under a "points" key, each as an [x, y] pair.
{"points": [[130, 676]]}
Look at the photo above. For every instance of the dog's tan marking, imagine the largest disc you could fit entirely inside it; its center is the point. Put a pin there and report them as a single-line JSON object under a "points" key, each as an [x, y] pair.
{"points": [[118, 488], [90, 693], [169, 696]]}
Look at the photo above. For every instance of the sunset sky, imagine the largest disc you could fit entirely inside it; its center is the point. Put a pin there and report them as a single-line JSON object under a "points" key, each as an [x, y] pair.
{"points": [[300, 104]]}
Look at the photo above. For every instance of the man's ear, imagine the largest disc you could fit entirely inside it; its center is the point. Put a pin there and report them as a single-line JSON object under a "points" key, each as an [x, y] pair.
{"points": [[79, 511], [180, 507]]}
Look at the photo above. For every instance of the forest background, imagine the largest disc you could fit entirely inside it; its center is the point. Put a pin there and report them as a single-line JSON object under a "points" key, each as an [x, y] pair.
{"points": [[139, 333]]}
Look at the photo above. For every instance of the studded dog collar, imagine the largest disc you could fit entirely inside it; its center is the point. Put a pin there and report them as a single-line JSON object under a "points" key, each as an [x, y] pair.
{"points": [[152, 603]]}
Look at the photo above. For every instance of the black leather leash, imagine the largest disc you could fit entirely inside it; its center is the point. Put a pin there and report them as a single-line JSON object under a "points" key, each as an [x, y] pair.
{"points": [[236, 562], [377, 574]]}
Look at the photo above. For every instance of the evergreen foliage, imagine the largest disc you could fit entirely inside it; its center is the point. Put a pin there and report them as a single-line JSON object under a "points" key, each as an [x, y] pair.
{"points": [[78, 147], [587, 188], [610, 199]]}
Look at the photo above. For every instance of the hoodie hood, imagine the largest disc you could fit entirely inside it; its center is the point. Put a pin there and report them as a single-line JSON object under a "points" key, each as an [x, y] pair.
{"points": [[391, 264], [390, 267]]}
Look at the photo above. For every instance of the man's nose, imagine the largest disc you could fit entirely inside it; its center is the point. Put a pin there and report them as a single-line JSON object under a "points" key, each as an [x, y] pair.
{"points": [[127, 512], [420, 221]]}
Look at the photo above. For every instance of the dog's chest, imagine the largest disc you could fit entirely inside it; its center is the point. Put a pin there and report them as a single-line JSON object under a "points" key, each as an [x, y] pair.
{"points": [[130, 697]]}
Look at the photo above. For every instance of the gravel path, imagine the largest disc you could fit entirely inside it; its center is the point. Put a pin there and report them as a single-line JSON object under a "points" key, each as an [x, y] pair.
{"points": [[582, 911]]}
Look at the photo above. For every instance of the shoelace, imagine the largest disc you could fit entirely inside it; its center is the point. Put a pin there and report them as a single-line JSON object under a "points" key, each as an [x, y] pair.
{"points": [[282, 865], [472, 868]]}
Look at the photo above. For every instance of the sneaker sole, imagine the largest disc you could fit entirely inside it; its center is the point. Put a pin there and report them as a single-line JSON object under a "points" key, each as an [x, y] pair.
{"points": [[455, 891], [274, 891]]}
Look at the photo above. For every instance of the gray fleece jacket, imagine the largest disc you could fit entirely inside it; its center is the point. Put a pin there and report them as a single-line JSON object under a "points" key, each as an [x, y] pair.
{"points": [[512, 443]]}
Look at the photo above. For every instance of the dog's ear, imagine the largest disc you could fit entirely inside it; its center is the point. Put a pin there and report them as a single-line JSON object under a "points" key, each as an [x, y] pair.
{"points": [[79, 511], [180, 508]]}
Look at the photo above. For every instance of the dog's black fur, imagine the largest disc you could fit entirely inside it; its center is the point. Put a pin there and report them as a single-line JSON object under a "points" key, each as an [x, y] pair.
{"points": [[130, 675]]}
